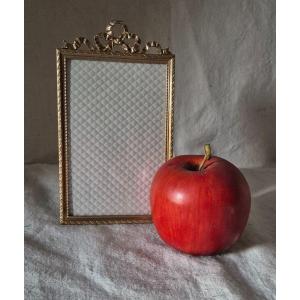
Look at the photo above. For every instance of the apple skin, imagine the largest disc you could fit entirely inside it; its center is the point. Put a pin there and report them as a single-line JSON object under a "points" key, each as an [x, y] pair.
{"points": [[199, 212]]}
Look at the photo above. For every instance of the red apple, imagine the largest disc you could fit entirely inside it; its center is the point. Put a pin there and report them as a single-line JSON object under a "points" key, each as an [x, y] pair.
{"points": [[200, 212]]}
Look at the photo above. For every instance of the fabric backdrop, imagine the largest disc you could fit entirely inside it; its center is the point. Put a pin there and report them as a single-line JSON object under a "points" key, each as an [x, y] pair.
{"points": [[131, 262], [225, 69]]}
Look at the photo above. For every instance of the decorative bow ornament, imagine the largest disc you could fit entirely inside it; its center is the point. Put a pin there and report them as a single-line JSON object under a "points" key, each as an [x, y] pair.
{"points": [[109, 41]]}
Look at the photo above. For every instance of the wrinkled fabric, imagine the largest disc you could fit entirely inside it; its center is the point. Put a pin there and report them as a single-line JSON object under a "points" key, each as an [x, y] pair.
{"points": [[132, 262], [224, 76], [225, 79]]}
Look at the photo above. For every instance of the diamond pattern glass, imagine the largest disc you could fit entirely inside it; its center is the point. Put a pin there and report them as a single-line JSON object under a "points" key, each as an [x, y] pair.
{"points": [[116, 135]]}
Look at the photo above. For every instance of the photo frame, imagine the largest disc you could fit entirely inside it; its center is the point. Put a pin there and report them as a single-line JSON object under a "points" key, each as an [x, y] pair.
{"points": [[115, 103]]}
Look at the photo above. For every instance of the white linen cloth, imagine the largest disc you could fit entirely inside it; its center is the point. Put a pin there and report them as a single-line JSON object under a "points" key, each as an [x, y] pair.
{"points": [[131, 262]]}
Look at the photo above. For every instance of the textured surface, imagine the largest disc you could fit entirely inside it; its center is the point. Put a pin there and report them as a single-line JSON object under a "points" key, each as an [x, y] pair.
{"points": [[225, 79], [131, 262], [225, 69], [117, 135]]}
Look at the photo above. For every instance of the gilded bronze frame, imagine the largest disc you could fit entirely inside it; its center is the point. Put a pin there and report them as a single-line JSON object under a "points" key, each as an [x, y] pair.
{"points": [[107, 52]]}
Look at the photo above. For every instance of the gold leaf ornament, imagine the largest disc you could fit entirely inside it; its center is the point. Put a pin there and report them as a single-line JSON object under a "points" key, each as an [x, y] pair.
{"points": [[116, 39]]}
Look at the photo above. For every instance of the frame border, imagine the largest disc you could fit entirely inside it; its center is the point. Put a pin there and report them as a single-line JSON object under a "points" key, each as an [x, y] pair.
{"points": [[62, 55]]}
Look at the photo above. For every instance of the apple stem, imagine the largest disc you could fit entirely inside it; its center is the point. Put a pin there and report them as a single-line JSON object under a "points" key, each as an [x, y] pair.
{"points": [[207, 156]]}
